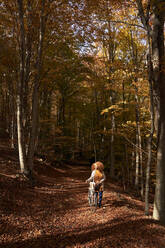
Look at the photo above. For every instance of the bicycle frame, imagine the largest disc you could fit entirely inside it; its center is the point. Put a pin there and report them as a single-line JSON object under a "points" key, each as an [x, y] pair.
{"points": [[91, 195]]}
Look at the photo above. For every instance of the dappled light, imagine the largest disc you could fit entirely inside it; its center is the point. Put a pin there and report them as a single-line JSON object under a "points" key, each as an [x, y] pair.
{"points": [[55, 212], [82, 123]]}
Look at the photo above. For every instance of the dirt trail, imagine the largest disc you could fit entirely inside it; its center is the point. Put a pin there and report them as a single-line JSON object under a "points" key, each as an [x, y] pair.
{"points": [[55, 213]]}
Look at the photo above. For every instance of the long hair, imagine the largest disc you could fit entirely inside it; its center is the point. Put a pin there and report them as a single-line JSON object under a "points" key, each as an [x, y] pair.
{"points": [[98, 176], [97, 166]]}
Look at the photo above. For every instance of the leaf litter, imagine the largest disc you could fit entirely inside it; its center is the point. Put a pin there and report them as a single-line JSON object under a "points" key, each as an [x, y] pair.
{"points": [[55, 212]]}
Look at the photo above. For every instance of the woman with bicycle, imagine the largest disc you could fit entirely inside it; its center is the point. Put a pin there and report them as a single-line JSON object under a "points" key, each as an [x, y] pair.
{"points": [[96, 181]]}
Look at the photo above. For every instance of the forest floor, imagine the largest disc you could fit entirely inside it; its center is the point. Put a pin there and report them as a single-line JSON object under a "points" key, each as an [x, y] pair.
{"points": [[55, 212]]}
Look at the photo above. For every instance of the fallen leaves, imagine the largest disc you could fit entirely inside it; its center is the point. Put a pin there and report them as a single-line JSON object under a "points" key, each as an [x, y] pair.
{"points": [[55, 213]]}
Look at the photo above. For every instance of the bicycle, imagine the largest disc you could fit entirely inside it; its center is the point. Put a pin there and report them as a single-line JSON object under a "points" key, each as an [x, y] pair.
{"points": [[92, 197]]}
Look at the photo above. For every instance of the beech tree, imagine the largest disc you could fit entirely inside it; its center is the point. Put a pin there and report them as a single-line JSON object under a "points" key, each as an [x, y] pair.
{"points": [[154, 25], [25, 58], [78, 74], [22, 18]]}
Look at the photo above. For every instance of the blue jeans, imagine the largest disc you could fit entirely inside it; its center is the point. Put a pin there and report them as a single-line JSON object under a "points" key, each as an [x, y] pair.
{"points": [[100, 198]]}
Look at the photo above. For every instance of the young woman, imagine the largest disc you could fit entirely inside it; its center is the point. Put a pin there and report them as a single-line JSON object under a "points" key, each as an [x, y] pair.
{"points": [[98, 177]]}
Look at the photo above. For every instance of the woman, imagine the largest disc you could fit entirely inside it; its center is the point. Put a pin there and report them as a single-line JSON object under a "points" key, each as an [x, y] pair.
{"points": [[98, 177]]}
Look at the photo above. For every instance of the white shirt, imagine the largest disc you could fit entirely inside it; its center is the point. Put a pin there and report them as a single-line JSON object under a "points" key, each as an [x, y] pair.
{"points": [[91, 178]]}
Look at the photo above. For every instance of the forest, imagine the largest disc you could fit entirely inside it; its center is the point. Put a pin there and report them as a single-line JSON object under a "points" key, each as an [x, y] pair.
{"points": [[82, 80]]}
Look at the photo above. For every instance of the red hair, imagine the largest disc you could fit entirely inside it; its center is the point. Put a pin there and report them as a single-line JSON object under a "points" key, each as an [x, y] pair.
{"points": [[97, 166]]}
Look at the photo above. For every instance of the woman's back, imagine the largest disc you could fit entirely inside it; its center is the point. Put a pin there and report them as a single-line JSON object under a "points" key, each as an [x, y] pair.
{"points": [[98, 176]]}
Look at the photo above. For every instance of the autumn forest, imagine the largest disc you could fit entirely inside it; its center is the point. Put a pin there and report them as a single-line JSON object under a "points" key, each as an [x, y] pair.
{"points": [[82, 80]]}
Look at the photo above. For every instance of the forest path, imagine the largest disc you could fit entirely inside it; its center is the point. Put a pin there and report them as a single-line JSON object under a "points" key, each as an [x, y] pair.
{"points": [[55, 214]]}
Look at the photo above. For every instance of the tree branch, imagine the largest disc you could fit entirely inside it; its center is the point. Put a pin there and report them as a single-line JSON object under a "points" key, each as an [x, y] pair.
{"points": [[126, 23], [141, 13]]}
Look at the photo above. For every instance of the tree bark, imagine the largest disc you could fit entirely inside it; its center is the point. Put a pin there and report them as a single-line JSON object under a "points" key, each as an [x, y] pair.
{"points": [[159, 78], [149, 160], [21, 147], [28, 55], [137, 163], [34, 124], [137, 140], [112, 149], [156, 33]]}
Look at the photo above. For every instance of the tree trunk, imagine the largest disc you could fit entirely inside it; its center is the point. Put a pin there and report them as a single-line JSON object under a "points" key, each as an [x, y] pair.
{"points": [[63, 104], [78, 135], [21, 147], [137, 163], [110, 46], [28, 44], [97, 107], [127, 167], [141, 168], [148, 168], [137, 140], [20, 137], [156, 33], [159, 79], [112, 150], [132, 166], [33, 134]]}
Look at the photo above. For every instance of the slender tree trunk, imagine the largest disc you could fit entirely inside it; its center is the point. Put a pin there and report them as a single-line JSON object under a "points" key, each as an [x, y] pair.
{"points": [[149, 160], [127, 165], [141, 167], [12, 132], [21, 147], [33, 134], [132, 166], [111, 57], [11, 110], [63, 113], [137, 163], [92, 140], [137, 140], [28, 44], [112, 150], [97, 107], [20, 139], [148, 168], [78, 135], [13, 126]]}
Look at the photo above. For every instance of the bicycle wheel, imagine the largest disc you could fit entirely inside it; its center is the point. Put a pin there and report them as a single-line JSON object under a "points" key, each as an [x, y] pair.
{"points": [[91, 198], [95, 198]]}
